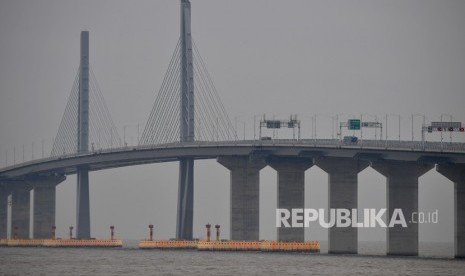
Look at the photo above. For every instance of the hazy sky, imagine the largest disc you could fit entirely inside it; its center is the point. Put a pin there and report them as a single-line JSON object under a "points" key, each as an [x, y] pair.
{"points": [[273, 57]]}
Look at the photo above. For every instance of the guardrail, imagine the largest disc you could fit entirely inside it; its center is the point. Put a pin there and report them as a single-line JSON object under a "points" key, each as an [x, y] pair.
{"points": [[324, 143]]}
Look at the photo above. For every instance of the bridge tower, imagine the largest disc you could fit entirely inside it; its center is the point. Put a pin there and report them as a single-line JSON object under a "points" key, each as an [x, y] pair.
{"points": [[186, 165], [82, 200]]}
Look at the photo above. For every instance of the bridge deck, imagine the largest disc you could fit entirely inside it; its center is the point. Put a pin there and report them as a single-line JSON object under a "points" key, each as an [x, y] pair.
{"points": [[432, 152]]}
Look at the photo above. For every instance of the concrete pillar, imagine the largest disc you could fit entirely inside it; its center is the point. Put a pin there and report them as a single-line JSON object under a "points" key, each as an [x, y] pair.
{"points": [[20, 209], [3, 212], [342, 193], [185, 212], [402, 193], [456, 173], [44, 205], [82, 205], [245, 194], [291, 183]]}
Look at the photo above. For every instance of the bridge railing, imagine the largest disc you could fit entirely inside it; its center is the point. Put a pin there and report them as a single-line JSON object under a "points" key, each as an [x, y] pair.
{"points": [[336, 143], [328, 143]]}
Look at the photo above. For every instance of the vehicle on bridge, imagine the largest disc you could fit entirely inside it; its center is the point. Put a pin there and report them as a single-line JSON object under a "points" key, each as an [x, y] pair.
{"points": [[350, 140]]}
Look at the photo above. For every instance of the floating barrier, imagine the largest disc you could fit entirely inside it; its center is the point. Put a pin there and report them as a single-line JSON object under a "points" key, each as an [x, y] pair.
{"points": [[229, 245], [24, 243], [225, 245], [167, 244], [311, 246], [71, 242], [205, 245], [60, 243], [83, 243], [3, 242]]}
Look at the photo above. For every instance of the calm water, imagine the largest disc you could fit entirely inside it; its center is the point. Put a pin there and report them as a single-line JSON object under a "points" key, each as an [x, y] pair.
{"points": [[131, 261]]}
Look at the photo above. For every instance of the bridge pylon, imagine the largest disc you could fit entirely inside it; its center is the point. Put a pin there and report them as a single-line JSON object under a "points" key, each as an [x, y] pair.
{"points": [[86, 126], [184, 223], [82, 195], [180, 116]]}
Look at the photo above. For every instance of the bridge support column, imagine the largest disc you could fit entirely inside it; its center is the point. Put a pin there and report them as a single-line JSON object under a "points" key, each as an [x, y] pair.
{"points": [[82, 202], [456, 173], [187, 134], [3, 212], [291, 184], [20, 210], [342, 193], [44, 205], [185, 216], [245, 194], [402, 193]]}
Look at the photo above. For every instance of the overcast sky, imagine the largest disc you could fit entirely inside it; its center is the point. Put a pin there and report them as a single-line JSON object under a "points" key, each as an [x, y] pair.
{"points": [[273, 57]]}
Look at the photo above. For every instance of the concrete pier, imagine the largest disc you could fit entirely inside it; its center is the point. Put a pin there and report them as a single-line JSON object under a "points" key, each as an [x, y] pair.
{"points": [[456, 174], [245, 194], [44, 205], [342, 193], [291, 184], [20, 210], [402, 193], [3, 212], [82, 205], [185, 212]]}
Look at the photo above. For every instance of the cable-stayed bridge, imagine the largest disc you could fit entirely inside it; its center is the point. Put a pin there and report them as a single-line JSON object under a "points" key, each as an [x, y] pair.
{"points": [[188, 122]]}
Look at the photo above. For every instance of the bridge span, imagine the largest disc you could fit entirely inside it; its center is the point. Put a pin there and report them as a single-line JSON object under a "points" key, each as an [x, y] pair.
{"points": [[369, 150], [402, 163]]}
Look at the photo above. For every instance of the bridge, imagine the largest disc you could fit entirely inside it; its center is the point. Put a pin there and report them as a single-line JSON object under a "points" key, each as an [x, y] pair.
{"points": [[185, 126]]}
